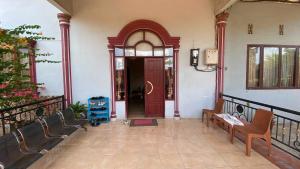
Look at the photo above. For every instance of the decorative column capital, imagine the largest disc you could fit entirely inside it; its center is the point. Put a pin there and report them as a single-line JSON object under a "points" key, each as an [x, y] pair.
{"points": [[222, 18], [64, 19]]}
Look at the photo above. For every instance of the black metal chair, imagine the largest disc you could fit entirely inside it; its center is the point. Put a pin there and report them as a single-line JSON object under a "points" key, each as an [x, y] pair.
{"points": [[68, 118], [35, 139], [12, 157], [55, 126]]}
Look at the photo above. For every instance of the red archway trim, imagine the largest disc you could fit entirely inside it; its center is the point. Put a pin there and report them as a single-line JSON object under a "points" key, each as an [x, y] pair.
{"points": [[120, 41], [143, 25]]}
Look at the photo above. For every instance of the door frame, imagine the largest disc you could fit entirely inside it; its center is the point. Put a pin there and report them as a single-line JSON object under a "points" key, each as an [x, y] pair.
{"points": [[126, 83], [120, 41]]}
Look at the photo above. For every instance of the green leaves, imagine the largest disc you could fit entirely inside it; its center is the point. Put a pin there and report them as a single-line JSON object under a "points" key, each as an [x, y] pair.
{"points": [[16, 51]]}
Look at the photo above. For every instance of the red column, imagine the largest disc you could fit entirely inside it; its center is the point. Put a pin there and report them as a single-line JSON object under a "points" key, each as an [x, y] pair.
{"points": [[113, 114], [64, 22], [176, 104], [31, 53], [221, 20], [32, 63]]}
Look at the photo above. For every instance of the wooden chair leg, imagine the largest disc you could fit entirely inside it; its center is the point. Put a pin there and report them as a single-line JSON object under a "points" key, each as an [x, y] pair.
{"points": [[207, 119], [248, 145], [269, 144], [202, 116], [232, 135]]}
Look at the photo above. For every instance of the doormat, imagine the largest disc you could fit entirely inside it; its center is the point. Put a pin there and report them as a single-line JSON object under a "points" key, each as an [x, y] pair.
{"points": [[143, 122]]}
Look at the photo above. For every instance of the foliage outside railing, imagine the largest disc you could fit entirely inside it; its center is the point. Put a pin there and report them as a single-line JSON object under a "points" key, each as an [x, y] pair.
{"points": [[18, 116], [285, 127], [16, 55]]}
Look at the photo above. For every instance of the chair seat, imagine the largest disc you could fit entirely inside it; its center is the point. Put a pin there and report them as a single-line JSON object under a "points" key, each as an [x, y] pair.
{"points": [[52, 142], [24, 162], [64, 131], [248, 129], [77, 122]]}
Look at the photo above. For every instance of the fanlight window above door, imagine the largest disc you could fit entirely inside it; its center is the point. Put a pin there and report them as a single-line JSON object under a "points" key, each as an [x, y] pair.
{"points": [[143, 43]]}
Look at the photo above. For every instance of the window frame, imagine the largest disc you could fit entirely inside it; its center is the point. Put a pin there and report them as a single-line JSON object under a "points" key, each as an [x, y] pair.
{"points": [[134, 55], [260, 86]]}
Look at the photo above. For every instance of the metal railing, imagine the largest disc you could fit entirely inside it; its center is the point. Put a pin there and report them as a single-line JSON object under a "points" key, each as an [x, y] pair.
{"points": [[285, 127], [18, 116]]}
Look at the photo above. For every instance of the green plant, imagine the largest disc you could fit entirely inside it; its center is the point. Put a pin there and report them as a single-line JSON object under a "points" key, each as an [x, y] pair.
{"points": [[15, 50], [79, 109]]}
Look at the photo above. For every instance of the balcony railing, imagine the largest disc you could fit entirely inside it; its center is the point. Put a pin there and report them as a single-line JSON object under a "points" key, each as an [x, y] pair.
{"points": [[18, 116], [285, 126]]}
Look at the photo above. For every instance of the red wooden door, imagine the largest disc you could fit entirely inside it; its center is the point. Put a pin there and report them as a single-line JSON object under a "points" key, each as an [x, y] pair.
{"points": [[154, 87]]}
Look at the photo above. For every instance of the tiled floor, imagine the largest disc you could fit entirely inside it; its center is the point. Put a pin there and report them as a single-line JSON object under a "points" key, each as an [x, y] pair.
{"points": [[184, 144]]}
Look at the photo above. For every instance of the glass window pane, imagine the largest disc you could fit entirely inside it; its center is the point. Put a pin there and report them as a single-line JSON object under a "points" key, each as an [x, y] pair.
{"points": [[119, 52], [168, 62], [253, 66], [288, 67], [134, 38], [270, 72], [153, 38], [169, 78], [120, 87], [129, 52], [158, 52], [169, 52], [144, 49], [119, 63]]}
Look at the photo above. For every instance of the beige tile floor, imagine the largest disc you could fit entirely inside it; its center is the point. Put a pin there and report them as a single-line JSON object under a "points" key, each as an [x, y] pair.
{"points": [[184, 144]]}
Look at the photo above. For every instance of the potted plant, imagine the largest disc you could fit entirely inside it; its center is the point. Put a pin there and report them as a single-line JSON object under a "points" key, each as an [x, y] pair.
{"points": [[79, 110]]}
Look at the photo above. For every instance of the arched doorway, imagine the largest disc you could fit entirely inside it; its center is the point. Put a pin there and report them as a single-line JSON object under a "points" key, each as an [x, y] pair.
{"points": [[147, 45]]}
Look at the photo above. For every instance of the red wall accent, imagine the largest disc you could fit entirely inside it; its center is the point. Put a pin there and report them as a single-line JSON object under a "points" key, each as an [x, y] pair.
{"points": [[146, 25]]}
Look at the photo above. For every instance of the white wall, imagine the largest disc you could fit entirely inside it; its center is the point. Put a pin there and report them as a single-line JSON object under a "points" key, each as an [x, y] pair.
{"points": [[95, 20], [265, 18], [18, 12]]}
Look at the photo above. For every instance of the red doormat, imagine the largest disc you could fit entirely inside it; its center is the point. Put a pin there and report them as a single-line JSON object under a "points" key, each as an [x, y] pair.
{"points": [[143, 122]]}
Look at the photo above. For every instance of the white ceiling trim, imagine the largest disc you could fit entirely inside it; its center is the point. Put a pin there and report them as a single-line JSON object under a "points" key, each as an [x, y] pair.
{"points": [[223, 5], [64, 6]]}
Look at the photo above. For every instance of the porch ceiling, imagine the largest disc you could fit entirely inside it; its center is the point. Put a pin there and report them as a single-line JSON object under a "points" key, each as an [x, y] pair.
{"points": [[222, 5], [66, 5]]}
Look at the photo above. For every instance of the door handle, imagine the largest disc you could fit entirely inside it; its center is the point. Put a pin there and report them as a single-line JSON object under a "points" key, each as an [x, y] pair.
{"points": [[151, 88]]}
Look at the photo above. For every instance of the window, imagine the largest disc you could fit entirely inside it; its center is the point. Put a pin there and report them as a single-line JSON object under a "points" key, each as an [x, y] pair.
{"points": [[273, 67]]}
